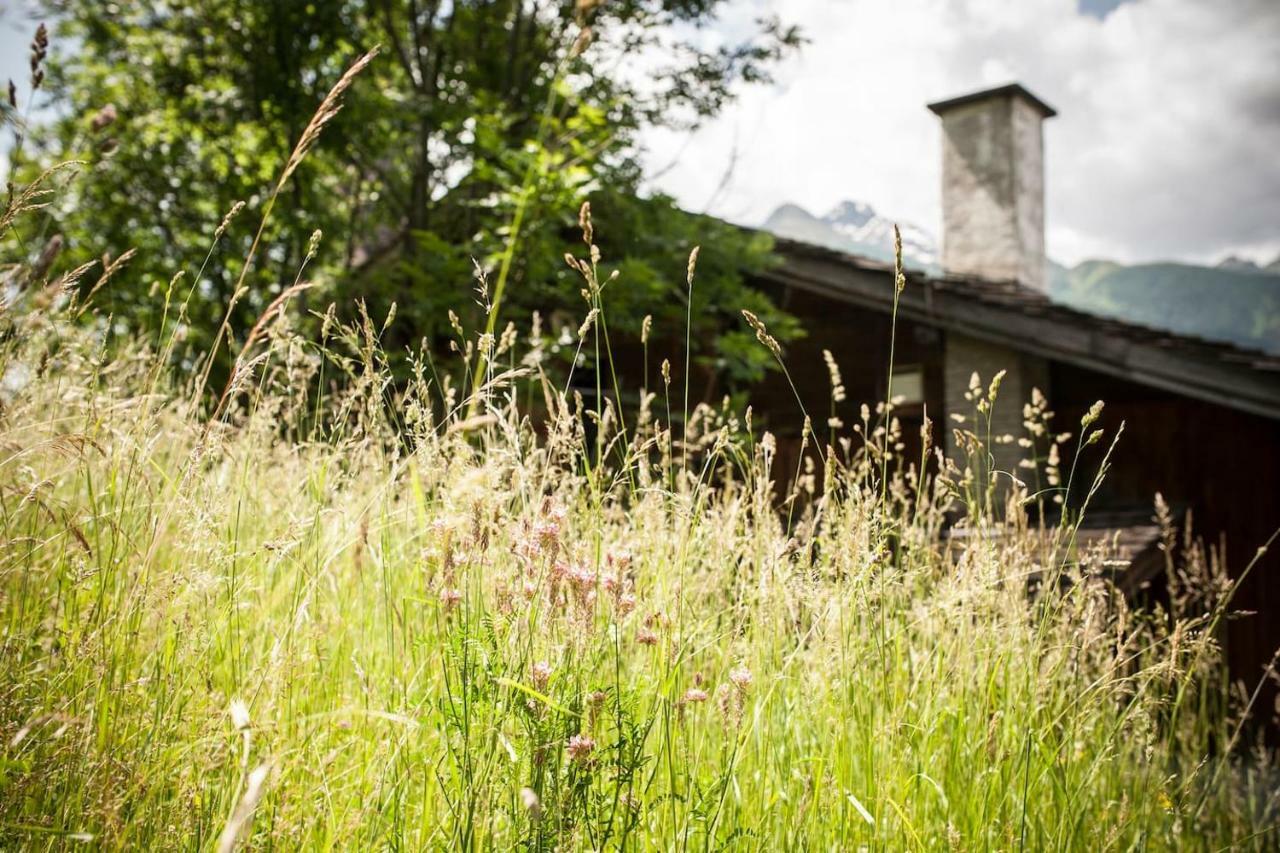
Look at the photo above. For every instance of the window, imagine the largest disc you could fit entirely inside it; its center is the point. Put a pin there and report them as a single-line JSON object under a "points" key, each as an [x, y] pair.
{"points": [[908, 385]]}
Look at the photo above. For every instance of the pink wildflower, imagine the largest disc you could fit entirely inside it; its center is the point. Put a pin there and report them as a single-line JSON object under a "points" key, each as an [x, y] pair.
{"points": [[582, 578], [580, 748]]}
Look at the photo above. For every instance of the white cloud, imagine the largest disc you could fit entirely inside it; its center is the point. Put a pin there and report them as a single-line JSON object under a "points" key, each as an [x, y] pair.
{"points": [[1164, 147]]}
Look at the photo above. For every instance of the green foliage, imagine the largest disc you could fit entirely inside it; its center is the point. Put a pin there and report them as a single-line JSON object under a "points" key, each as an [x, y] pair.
{"points": [[474, 111], [654, 239]]}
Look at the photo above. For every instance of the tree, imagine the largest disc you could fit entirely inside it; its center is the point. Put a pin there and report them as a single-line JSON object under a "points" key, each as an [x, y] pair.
{"points": [[480, 116]]}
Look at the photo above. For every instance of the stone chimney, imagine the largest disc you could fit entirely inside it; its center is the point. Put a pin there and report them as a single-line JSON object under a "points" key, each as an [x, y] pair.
{"points": [[993, 185], [993, 228]]}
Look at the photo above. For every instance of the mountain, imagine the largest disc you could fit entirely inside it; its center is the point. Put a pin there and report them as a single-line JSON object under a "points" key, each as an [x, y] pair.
{"points": [[856, 228], [1223, 303], [1238, 264], [1238, 301]]}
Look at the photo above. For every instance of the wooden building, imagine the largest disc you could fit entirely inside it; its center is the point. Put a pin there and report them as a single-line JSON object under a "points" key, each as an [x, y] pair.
{"points": [[1202, 419]]}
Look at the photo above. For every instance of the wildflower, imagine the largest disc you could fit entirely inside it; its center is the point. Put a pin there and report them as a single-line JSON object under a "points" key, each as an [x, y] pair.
{"points": [[580, 748], [528, 547], [899, 279], [741, 677], [1095, 411], [255, 786], [586, 324], [693, 694], [595, 701], [226, 220], [103, 117], [626, 603], [833, 370], [762, 333], [541, 674], [583, 579], [531, 803], [239, 714], [731, 700], [449, 597], [547, 531], [994, 390], [646, 637], [584, 223], [39, 50]]}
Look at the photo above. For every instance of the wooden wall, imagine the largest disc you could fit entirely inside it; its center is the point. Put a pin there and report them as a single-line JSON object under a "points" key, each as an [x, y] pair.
{"points": [[1222, 465]]}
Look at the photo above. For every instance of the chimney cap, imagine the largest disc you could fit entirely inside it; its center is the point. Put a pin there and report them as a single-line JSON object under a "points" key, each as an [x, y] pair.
{"points": [[1008, 90]]}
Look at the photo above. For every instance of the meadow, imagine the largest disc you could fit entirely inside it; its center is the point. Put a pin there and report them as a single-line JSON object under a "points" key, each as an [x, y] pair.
{"points": [[326, 608]]}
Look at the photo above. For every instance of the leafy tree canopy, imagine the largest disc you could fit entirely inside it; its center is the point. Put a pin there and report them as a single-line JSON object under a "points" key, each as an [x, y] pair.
{"points": [[477, 114]]}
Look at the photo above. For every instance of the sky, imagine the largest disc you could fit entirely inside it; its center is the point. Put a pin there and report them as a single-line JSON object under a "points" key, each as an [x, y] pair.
{"points": [[17, 26], [16, 30], [1166, 145]]}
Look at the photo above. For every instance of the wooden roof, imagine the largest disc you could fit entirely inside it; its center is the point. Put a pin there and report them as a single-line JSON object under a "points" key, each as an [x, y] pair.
{"points": [[1010, 314]]}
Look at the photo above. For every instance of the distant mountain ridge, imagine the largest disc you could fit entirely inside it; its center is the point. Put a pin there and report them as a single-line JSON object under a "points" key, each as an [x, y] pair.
{"points": [[1237, 301], [1217, 303], [855, 227], [1232, 262]]}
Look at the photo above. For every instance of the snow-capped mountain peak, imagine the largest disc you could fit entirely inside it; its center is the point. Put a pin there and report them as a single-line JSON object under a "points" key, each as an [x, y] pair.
{"points": [[856, 228], [852, 213]]}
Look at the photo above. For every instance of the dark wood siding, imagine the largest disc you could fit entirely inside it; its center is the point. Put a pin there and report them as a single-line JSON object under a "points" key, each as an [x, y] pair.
{"points": [[1222, 465]]}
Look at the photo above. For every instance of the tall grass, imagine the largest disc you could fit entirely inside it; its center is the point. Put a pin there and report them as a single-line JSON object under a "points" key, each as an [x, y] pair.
{"points": [[400, 616]]}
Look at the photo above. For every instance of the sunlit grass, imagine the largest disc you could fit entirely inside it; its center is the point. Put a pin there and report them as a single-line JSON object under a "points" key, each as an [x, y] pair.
{"points": [[323, 609], [412, 629]]}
